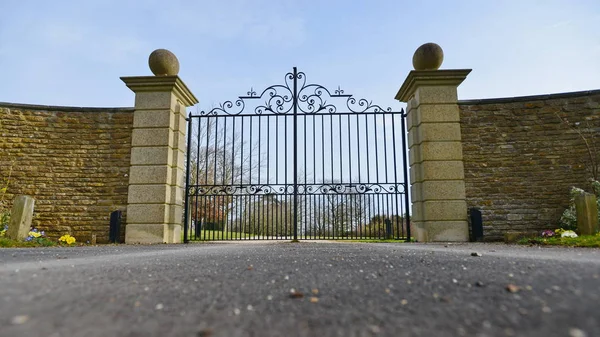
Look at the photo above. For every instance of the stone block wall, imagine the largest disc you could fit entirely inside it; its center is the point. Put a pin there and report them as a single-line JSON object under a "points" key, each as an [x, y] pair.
{"points": [[520, 160], [73, 161]]}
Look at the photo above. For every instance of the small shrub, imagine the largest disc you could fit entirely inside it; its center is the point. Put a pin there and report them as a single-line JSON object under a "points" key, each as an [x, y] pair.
{"points": [[4, 212], [568, 220], [4, 218]]}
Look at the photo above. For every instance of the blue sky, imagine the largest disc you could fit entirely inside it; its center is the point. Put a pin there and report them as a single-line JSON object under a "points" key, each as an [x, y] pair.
{"points": [[73, 52]]}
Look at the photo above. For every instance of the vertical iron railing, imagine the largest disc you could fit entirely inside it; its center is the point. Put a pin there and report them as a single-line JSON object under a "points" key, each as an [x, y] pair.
{"points": [[405, 173], [240, 184], [295, 107]]}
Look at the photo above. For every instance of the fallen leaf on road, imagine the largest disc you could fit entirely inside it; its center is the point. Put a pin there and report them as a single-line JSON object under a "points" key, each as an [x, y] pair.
{"points": [[295, 294], [315, 291], [205, 333], [314, 300], [250, 267], [512, 288], [446, 299]]}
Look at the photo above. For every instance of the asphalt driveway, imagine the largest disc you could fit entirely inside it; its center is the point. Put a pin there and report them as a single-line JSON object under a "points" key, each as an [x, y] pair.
{"points": [[300, 289]]}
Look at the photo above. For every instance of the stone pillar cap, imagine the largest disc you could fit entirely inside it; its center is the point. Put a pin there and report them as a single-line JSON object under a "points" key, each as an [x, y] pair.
{"points": [[161, 83], [419, 78]]}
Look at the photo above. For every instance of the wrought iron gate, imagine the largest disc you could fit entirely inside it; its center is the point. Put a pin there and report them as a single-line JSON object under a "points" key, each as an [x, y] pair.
{"points": [[285, 163]]}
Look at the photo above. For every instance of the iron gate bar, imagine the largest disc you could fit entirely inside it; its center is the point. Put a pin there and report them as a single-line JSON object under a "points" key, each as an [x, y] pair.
{"points": [[295, 104], [405, 173], [379, 199]]}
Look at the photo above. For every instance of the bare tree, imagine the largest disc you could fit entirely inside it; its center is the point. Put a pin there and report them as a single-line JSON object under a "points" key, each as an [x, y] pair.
{"points": [[341, 214], [220, 162], [272, 214]]}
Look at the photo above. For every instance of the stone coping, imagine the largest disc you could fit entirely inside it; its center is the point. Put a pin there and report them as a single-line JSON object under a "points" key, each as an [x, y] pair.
{"points": [[38, 107], [529, 98], [161, 83], [418, 78]]}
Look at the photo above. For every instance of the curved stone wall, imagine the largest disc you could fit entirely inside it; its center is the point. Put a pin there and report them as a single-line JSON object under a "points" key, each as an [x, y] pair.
{"points": [[73, 161], [520, 159]]}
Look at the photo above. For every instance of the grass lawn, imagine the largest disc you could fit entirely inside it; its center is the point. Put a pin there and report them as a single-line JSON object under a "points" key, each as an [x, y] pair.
{"points": [[213, 235], [208, 235], [580, 241], [377, 240]]}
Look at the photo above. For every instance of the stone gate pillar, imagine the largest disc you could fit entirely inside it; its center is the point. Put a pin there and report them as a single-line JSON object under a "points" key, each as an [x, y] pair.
{"points": [[439, 208], [156, 176]]}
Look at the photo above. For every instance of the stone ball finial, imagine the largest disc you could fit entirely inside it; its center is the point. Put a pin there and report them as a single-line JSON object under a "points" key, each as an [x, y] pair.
{"points": [[428, 57], [163, 63]]}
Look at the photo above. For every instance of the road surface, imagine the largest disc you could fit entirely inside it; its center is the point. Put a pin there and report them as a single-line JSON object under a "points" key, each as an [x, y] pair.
{"points": [[300, 289]]}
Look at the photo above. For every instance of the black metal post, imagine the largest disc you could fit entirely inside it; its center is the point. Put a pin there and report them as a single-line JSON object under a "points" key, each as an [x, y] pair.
{"points": [[405, 169], [115, 226], [295, 103], [187, 180], [398, 230], [476, 224]]}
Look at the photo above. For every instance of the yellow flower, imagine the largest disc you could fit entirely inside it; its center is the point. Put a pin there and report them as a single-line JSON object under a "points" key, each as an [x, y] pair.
{"points": [[35, 234], [67, 239]]}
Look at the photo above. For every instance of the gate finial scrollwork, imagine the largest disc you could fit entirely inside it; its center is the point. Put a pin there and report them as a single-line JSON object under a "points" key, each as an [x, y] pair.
{"points": [[310, 98]]}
